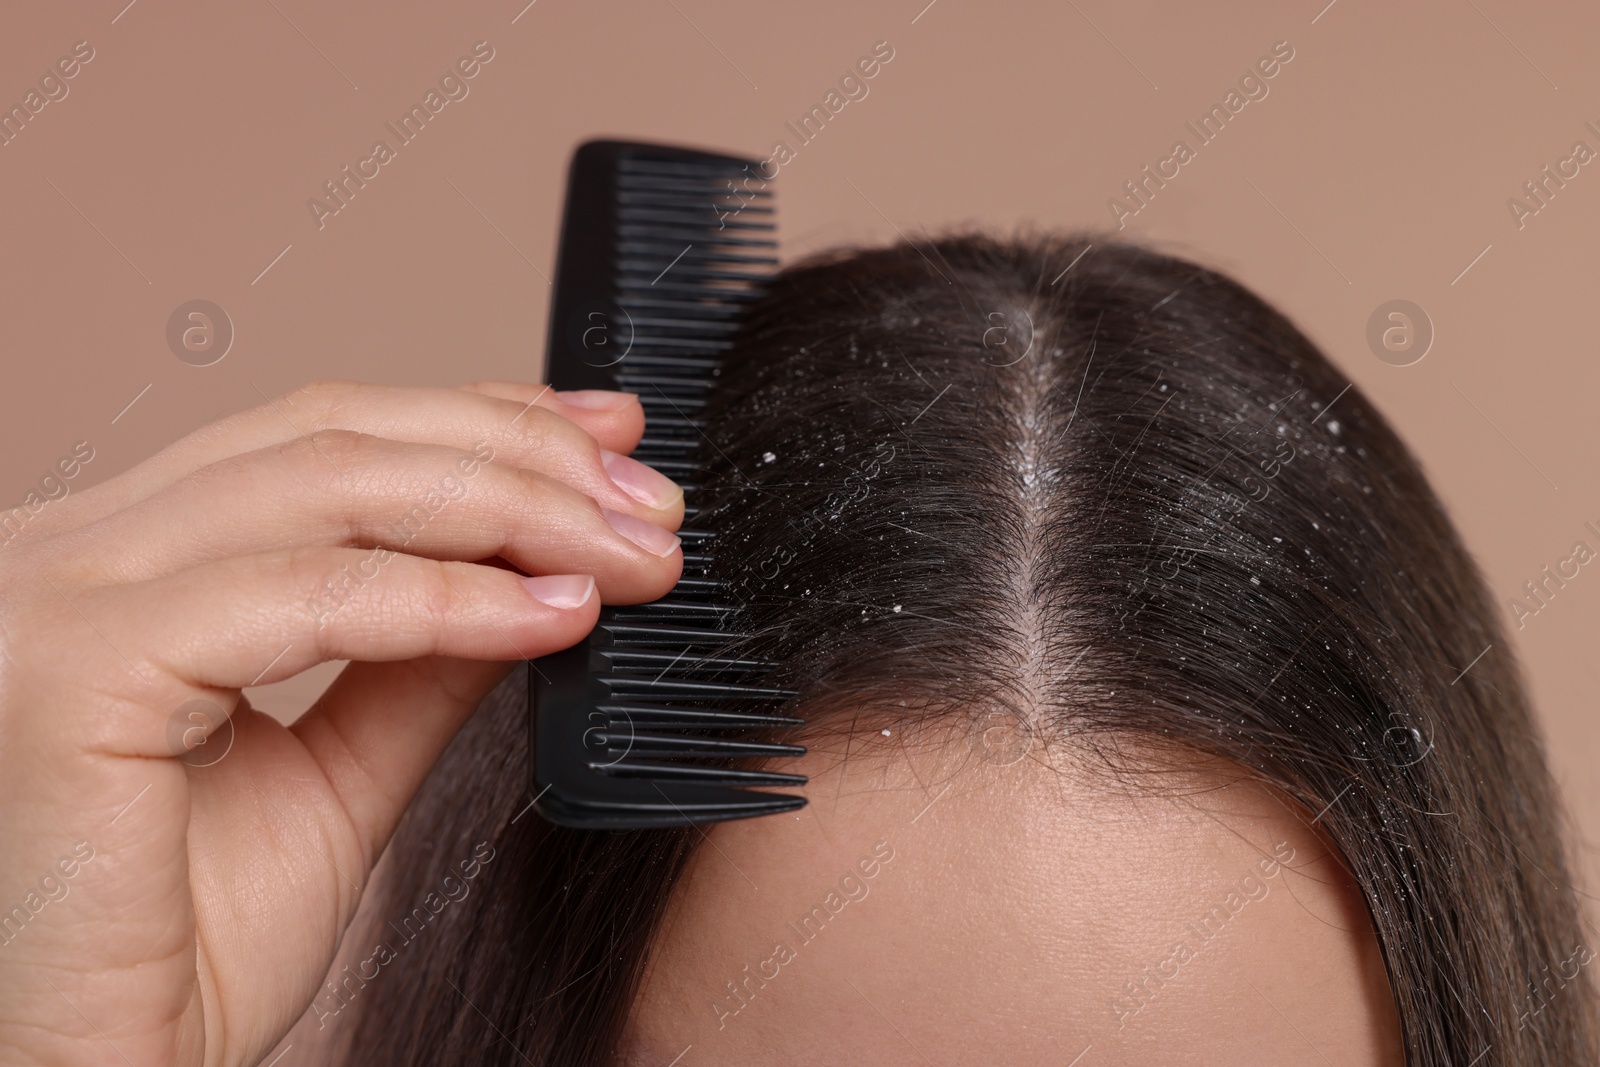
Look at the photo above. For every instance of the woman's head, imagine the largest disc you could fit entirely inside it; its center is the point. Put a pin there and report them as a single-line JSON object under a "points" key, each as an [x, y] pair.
{"points": [[1134, 635]]}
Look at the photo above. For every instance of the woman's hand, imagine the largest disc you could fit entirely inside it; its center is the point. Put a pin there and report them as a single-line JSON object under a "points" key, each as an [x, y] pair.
{"points": [[167, 901]]}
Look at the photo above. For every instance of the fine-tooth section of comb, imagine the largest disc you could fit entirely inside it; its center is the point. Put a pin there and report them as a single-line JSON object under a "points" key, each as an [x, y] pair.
{"points": [[644, 723]]}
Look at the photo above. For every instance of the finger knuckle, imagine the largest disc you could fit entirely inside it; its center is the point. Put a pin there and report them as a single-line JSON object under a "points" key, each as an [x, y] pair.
{"points": [[329, 451], [321, 399], [550, 492], [543, 433], [311, 571], [435, 596], [441, 590]]}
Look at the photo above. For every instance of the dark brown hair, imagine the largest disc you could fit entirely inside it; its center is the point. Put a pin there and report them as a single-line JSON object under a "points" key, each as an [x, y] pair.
{"points": [[1113, 490]]}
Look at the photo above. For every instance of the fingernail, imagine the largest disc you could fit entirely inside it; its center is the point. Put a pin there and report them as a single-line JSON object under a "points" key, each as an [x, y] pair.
{"points": [[596, 399], [564, 591], [647, 486], [647, 535]]}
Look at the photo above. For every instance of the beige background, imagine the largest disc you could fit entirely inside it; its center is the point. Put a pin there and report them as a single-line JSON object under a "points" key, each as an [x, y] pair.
{"points": [[1378, 167]]}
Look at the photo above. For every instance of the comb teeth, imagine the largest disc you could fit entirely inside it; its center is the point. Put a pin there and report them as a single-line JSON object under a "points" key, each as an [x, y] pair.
{"points": [[661, 250], [639, 659], [657, 715], [635, 743]]}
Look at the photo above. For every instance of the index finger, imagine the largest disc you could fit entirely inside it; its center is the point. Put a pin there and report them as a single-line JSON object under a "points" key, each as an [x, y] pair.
{"points": [[614, 419], [516, 418]]}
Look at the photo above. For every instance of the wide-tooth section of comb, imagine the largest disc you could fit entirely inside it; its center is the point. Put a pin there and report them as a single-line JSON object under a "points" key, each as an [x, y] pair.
{"points": [[644, 723]]}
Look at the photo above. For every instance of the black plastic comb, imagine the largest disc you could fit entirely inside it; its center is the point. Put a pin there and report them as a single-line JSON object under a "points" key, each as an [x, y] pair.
{"points": [[640, 724]]}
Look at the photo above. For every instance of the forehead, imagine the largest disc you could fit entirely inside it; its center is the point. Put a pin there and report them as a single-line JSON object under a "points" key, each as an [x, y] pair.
{"points": [[930, 908]]}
